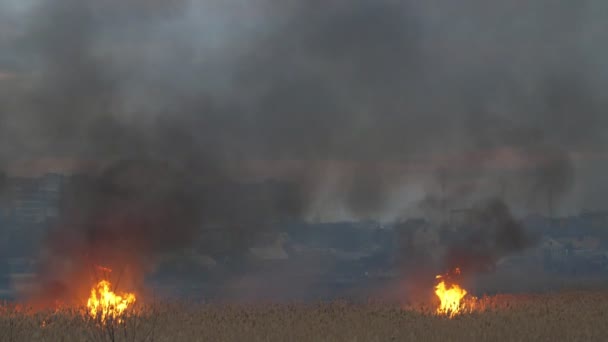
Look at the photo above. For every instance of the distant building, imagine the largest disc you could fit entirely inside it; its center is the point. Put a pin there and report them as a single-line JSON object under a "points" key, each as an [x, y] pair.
{"points": [[582, 242], [27, 206], [33, 200], [597, 219]]}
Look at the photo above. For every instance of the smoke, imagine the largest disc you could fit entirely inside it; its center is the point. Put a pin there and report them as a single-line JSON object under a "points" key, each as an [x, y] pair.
{"points": [[365, 97], [491, 232], [120, 219], [363, 81], [135, 211]]}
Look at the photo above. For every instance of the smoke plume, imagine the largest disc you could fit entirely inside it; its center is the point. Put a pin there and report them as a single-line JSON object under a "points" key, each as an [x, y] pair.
{"points": [[491, 233], [183, 102]]}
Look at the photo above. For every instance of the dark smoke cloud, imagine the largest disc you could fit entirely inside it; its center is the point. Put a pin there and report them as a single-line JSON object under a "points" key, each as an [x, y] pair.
{"points": [[348, 85], [120, 219], [344, 80], [468, 246], [134, 211], [552, 179], [491, 232]]}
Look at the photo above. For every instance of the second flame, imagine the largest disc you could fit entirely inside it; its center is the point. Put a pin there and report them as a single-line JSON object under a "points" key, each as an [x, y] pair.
{"points": [[451, 295]]}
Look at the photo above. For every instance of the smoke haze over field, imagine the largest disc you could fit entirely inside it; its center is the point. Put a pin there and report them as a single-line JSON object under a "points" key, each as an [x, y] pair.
{"points": [[369, 108], [205, 83]]}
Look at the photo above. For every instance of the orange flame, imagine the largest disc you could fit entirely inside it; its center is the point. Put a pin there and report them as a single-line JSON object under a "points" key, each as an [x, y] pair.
{"points": [[451, 296], [104, 304]]}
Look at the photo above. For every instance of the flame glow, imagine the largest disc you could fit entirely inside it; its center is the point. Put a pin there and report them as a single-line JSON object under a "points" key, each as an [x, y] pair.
{"points": [[104, 305], [451, 295]]}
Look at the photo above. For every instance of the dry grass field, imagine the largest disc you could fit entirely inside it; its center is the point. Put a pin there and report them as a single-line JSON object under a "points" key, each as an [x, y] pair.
{"points": [[581, 316]]}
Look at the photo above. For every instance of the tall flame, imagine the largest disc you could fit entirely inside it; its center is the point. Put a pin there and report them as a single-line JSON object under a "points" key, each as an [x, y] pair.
{"points": [[105, 305], [451, 296]]}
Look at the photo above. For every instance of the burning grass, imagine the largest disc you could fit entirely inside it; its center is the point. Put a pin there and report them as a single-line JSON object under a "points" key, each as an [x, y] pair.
{"points": [[553, 317], [453, 299], [104, 304]]}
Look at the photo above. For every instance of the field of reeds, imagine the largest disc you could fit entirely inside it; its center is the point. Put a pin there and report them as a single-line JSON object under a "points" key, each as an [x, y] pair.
{"points": [[576, 316]]}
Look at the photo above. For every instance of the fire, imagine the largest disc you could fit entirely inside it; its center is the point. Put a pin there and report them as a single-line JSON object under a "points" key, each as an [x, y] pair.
{"points": [[104, 304], [451, 295]]}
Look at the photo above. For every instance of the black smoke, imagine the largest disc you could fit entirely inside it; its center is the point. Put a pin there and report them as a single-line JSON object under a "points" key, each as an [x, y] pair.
{"points": [[488, 233], [366, 97]]}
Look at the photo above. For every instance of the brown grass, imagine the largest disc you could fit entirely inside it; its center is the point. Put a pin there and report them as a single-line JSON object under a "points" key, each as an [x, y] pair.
{"points": [[553, 317]]}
